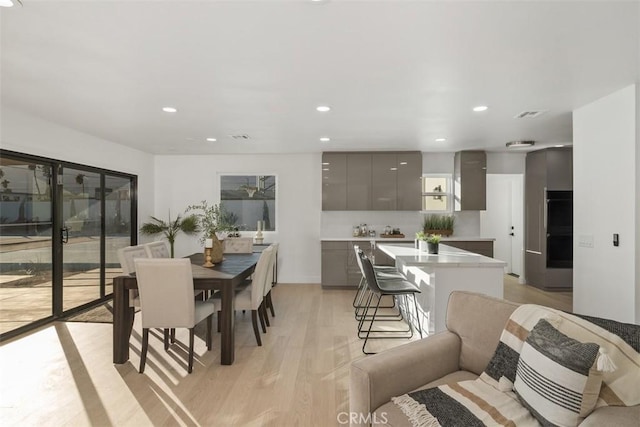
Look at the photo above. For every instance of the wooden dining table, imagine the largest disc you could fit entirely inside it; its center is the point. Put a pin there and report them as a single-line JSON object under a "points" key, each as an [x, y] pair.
{"points": [[225, 277]]}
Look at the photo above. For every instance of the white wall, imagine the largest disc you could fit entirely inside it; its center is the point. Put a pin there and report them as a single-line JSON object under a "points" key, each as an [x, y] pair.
{"points": [[181, 181], [605, 202], [30, 135]]}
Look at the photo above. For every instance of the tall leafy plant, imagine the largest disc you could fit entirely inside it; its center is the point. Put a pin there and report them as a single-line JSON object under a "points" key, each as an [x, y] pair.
{"points": [[171, 228], [211, 218]]}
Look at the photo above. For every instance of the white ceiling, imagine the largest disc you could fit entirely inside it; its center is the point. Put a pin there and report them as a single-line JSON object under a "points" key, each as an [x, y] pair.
{"points": [[397, 74]]}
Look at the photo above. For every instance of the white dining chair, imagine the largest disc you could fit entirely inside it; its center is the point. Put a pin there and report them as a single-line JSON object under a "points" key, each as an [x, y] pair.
{"points": [[167, 301], [268, 300], [237, 245], [252, 297], [127, 256], [157, 249]]}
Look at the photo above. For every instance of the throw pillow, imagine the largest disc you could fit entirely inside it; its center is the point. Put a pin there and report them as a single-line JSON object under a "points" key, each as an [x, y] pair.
{"points": [[556, 377]]}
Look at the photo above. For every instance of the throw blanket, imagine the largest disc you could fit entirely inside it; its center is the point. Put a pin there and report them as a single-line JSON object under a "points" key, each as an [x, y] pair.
{"points": [[489, 400]]}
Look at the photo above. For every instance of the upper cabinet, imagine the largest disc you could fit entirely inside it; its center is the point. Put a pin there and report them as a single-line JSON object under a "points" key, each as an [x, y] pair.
{"points": [[334, 182], [379, 181], [470, 181]]}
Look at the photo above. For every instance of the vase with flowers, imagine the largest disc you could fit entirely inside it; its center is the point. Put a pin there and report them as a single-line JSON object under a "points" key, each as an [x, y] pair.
{"points": [[212, 219]]}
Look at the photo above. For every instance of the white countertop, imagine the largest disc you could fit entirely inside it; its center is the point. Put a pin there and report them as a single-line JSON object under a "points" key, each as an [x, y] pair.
{"points": [[448, 256], [407, 238]]}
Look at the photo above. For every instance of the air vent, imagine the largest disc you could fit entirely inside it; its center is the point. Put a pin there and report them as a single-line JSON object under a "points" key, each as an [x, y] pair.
{"points": [[241, 137], [529, 114]]}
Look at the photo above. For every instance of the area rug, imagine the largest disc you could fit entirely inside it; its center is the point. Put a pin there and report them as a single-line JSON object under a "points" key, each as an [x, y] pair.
{"points": [[100, 314]]}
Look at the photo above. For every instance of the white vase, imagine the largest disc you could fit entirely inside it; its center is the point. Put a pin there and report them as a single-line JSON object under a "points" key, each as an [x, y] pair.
{"points": [[422, 246]]}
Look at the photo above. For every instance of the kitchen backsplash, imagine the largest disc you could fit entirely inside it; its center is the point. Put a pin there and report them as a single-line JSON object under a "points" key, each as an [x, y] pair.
{"points": [[341, 223]]}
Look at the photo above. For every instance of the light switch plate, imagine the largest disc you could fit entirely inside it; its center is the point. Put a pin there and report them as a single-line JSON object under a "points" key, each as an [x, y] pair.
{"points": [[585, 241]]}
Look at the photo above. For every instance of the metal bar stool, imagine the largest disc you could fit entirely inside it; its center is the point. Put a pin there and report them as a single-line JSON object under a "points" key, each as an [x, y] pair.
{"points": [[379, 289]]}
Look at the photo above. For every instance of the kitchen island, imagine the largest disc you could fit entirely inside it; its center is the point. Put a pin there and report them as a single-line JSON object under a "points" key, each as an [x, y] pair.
{"points": [[438, 275]]}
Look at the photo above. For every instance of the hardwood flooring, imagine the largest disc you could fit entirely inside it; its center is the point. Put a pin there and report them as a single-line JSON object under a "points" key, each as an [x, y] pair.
{"points": [[62, 374]]}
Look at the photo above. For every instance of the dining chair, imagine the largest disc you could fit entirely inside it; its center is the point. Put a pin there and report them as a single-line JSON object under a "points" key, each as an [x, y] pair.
{"points": [[127, 256], [379, 288], [167, 301], [157, 249], [237, 245], [270, 281], [252, 297]]}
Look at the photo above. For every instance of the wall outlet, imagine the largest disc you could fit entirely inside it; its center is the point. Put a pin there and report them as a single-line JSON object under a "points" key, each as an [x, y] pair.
{"points": [[585, 241]]}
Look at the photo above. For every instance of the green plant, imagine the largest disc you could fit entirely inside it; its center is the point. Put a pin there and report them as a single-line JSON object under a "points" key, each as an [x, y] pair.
{"points": [[170, 229], [434, 238], [437, 222], [421, 235], [211, 218]]}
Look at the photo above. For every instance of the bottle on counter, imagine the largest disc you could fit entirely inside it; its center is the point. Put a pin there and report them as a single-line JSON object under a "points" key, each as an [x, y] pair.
{"points": [[356, 231]]}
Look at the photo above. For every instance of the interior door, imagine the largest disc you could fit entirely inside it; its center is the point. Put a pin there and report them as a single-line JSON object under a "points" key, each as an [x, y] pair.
{"points": [[503, 219]]}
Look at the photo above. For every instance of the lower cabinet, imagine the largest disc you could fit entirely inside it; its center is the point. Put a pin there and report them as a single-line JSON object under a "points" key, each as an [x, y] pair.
{"points": [[339, 264]]}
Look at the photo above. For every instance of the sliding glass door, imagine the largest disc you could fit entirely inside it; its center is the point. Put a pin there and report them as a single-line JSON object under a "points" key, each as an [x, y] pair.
{"points": [[61, 225], [26, 224]]}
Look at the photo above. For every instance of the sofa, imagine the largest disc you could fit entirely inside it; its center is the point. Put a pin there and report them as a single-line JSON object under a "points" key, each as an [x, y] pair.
{"points": [[475, 326]]}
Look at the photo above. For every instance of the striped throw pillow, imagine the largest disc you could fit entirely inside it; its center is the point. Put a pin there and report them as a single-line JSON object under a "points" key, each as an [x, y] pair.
{"points": [[556, 377]]}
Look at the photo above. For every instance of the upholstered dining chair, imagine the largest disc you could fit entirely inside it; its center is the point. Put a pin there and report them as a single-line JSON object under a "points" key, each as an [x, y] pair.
{"points": [[127, 256], [252, 297], [167, 301], [269, 282], [157, 249], [237, 245]]}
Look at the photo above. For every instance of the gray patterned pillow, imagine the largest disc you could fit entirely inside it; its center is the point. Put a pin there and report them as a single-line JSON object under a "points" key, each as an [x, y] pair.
{"points": [[555, 378]]}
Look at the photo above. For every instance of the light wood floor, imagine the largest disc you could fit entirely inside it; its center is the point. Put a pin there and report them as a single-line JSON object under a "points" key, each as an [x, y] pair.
{"points": [[62, 374]]}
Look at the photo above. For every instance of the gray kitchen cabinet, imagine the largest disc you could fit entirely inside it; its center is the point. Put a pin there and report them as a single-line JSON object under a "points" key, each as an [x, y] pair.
{"points": [[482, 247], [384, 181], [334, 182], [363, 181], [358, 181], [334, 264], [409, 194], [470, 175], [548, 172]]}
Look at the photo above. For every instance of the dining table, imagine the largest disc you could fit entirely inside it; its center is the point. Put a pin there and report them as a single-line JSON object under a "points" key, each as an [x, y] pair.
{"points": [[225, 277]]}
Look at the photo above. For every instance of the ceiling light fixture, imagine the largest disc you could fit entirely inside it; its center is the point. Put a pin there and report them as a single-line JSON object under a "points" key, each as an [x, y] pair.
{"points": [[520, 144], [10, 3], [440, 139], [169, 109], [211, 139], [323, 108], [480, 108], [325, 139]]}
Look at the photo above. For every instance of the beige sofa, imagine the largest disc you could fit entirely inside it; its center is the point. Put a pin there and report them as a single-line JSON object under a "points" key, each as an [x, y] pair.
{"points": [[474, 324]]}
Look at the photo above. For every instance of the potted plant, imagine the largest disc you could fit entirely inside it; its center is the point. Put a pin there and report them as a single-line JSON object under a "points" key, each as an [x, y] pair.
{"points": [[421, 240], [438, 224], [212, 219], [170, 229], [433, 241]]}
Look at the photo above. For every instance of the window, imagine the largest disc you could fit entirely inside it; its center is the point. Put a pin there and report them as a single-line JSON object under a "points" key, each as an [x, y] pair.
{"points": [[437, 193], [249, 199]]}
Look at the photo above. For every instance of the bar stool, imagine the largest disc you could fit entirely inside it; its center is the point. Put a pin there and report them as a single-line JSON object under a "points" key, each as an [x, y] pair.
{"points": [[394, 288]]}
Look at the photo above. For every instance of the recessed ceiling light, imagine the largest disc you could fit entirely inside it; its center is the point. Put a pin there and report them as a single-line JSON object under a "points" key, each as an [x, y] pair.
{"points": [[480, 108], [403, 163], [325, 139], [440, 139], [323, 108], [325, 169], [211, 139], [393, 169], [169, 109], [520, 144], [325, 163], [9, 3]]}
